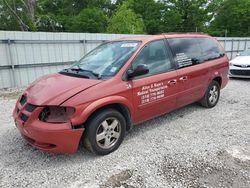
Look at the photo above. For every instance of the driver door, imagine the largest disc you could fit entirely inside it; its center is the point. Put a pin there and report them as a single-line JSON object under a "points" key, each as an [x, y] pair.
{"points": [[155, 92]]}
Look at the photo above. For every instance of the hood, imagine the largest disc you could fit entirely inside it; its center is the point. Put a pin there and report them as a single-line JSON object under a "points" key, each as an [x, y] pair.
{"points": [[56, 88], [241, 60]]}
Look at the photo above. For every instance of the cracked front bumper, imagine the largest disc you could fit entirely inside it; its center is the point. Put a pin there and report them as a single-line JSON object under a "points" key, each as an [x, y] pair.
{"points": [[48, 140]]}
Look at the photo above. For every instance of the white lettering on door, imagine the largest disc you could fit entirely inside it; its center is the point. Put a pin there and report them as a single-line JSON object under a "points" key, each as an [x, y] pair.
{"points": [[152, 92]]}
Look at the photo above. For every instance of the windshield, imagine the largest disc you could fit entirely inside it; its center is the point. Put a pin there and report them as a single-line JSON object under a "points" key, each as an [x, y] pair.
{"points": [[245, 53], [105, 60]]}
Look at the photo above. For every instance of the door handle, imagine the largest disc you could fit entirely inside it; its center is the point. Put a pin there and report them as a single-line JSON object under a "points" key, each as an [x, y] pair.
{"points": [[183, 78], [172, 82]]}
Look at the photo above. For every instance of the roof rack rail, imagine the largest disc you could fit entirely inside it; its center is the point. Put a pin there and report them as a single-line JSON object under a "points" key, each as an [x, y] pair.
{"points": [[173, 33]]}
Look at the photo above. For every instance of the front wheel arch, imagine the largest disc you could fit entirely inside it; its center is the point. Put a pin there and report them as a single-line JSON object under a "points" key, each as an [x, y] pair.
{"points": [[123, 109], [122, 104]]}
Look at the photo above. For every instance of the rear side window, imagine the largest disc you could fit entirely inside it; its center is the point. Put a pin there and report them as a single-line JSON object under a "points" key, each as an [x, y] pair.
{"points": [[191, 51], [185, 50]]}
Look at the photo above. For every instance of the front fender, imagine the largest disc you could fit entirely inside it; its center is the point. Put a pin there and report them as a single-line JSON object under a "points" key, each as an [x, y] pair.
{"points": [[95, 105]]}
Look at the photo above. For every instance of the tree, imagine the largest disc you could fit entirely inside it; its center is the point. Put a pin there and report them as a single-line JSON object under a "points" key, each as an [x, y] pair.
{"points": [[186, 15], [233, 17], [61, 15], [126, 21], [72, 7], [127, 16], [151, 12], [90, 20], [17, 15], [172, 20]]}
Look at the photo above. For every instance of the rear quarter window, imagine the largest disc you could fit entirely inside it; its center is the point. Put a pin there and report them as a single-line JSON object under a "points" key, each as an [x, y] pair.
{"points": [[210, 49]]}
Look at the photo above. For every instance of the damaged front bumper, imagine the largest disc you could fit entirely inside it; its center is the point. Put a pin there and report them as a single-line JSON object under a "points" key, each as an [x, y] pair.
{"points": [[49, 137]]}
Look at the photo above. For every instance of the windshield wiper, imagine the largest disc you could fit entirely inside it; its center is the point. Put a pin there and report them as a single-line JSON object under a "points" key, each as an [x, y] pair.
{"points": [[79, 69]]}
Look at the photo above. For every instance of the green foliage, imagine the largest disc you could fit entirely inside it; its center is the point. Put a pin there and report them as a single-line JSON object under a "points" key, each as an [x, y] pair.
{"points": [[216, 17], [90, 20], [185, 15], [126, 21], [64, 15], [233, 17], [151, 12], [17, 15]]}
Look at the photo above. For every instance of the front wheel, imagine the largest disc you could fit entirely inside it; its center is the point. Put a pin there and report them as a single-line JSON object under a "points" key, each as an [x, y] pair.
{"points": [[211, 96], [105, 132]]}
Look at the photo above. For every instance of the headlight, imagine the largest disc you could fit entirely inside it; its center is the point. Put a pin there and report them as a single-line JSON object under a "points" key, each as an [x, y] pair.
{"points": [[56, 114]]}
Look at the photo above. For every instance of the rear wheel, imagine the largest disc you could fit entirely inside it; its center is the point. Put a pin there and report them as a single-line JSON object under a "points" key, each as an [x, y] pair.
{"points": [[212, 95], [105, 132]]}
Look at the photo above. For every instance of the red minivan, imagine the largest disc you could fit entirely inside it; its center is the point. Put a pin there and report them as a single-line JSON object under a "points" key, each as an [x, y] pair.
{"points": [[119, 84]]}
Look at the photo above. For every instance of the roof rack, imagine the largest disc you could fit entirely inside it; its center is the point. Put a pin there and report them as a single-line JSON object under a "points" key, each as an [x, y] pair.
{"points": [[173, 33]]}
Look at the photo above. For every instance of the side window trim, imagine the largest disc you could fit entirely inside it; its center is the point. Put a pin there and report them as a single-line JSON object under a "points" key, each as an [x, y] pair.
{"points": [[166, 50], [171, 55]]}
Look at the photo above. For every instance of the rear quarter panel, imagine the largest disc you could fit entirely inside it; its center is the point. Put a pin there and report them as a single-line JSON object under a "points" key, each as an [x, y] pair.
{"points": [[219, 68]]}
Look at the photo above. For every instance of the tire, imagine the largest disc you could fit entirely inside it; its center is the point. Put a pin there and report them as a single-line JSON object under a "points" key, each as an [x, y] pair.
{"points": [[212, 95], [104, 132]]}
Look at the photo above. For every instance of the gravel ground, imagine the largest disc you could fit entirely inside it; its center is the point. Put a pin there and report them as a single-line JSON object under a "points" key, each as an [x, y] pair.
{"points": [[190, 147]]}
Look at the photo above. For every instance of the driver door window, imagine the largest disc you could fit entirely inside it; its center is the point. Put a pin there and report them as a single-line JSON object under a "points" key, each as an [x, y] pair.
{"points": [[154, 93], [155, 56]]}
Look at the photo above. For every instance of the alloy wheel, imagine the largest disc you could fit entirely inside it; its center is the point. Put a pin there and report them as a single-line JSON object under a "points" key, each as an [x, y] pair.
{"points": [[108, 133], [213, 94]]}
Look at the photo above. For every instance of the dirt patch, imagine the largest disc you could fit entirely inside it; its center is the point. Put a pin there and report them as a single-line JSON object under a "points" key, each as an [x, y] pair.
{"points": [[118, 180], [232, 101], [11, 93], [236, 156], [200, 173]]}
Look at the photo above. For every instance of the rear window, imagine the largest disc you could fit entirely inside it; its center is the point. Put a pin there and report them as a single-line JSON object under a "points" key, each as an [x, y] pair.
{"points": [[191, 51]]}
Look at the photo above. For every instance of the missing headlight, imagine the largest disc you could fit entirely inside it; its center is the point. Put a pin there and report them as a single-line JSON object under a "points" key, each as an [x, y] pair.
{"points": [[55, 114]]}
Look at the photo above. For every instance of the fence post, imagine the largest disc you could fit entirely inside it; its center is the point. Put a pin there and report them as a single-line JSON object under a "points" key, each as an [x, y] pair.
{"points": [[225, 43], [238, 46], [84, 46], [11, 63], [232, 47], [245, 46]]}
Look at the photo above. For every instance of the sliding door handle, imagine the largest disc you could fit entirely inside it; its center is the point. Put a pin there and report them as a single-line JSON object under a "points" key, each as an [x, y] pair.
{"points": [[172, 82], [183, 78]]}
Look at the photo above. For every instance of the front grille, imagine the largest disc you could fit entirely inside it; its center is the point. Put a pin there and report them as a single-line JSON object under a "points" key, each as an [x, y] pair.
{"points": [[24, 118], [23, 100], [30, 107], [240, 72], [26, 107], [242, 66]]}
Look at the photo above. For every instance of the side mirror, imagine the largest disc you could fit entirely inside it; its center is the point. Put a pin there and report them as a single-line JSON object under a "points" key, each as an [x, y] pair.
{"points": [[238, 54], [138, 71]]}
